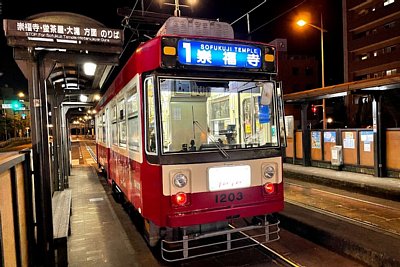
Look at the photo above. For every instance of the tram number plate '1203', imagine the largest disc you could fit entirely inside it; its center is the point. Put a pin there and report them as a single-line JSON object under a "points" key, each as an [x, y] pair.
{"points": [[228, 197]]}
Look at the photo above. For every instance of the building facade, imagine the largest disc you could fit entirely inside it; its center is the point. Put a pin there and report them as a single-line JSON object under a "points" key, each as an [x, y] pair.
{"points": [[296, 73], [371, 38]]}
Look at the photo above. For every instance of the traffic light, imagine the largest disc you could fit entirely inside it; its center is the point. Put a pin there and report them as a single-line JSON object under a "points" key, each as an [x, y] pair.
{"points": [[16, 105], [314, 109]]}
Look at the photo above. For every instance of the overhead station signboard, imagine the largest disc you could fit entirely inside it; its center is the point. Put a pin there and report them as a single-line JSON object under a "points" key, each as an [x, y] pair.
{"points": [[216, 54], [61, 33]]}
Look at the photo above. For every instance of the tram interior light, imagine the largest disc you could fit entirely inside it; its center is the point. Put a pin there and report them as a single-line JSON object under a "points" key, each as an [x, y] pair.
{"points": [[89, 68], [83, 98]]}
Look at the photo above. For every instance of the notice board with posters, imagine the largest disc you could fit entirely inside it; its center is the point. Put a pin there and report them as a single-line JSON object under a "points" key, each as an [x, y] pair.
{"points": [[1, 247]]}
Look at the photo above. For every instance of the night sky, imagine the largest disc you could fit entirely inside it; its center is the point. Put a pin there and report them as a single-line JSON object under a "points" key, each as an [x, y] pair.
{"points": [[278, 18]]}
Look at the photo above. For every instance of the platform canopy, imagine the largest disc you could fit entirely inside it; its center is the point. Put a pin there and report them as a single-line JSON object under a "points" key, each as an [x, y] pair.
{"points": [[357, 87]]}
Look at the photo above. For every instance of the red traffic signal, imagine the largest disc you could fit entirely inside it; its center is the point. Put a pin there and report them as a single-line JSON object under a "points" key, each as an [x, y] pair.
{"points": [[314, 109]]}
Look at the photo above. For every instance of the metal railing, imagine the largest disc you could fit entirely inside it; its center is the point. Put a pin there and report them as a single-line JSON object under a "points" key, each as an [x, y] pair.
{"points": [[197, 245]]}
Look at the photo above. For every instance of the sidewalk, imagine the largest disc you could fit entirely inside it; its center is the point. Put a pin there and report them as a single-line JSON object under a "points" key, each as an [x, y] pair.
{"points": [[383, 187]]}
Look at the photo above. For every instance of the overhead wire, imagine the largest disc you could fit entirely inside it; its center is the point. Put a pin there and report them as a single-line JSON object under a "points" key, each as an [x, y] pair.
{"points": [[277, 17], [135, 32]]}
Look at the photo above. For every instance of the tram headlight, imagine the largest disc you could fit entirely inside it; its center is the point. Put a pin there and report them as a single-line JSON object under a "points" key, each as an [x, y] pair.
{"points": [[269, 172], [180, 180]]}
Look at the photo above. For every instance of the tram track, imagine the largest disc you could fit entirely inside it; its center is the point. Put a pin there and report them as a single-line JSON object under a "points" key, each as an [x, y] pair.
{"points": [[361, 204], [344, 196], [281, 259]]}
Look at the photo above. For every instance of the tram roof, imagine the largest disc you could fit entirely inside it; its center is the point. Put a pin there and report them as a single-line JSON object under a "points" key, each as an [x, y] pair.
{"points": [[343, 89]]}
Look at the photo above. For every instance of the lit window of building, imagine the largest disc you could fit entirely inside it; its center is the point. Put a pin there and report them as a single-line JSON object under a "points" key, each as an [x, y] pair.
{"points": [[391, 72], [388, 2]]}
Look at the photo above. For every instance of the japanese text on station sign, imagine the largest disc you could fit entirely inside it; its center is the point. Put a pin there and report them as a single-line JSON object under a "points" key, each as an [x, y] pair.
{"points": [[67, 32], [218, 54]]}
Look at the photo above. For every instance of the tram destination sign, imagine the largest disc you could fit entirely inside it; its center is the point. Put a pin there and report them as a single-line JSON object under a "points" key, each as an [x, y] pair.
{"points": [[215, 54], [61, 33]]}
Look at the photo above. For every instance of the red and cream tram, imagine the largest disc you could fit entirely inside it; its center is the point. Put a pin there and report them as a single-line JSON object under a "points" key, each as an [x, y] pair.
{"points": [[191, 132]]}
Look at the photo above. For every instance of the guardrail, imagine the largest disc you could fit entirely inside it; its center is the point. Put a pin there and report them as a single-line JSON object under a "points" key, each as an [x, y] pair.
{"points": [[14, 140]]}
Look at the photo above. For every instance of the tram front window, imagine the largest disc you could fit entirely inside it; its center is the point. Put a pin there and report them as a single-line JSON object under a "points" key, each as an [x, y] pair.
{"points": [[199, 115]]}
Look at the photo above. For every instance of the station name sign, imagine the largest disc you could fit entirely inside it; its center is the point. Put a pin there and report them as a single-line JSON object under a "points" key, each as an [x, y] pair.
{"points": [[205, 53], [53, 32]]}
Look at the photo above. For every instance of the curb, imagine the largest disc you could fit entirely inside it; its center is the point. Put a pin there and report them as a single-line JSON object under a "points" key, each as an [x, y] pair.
{"points": [[346, 185]]}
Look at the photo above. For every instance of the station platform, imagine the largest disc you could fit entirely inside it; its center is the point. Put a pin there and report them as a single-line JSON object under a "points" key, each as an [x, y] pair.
{"points": [[102, 233], [350, 213]]}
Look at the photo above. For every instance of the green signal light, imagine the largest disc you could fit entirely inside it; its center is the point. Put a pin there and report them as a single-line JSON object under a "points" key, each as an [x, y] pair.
{"points": [[16, 105]]}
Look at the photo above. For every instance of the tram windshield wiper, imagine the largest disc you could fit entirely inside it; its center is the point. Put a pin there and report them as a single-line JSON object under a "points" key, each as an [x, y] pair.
{"points": [[215, 142]]}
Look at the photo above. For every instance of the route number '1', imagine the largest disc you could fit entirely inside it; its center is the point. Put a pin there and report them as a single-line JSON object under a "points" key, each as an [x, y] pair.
{"points": [[187, 52]]}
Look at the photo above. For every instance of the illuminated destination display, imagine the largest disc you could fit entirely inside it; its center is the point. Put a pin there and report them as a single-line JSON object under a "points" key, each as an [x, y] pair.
{"points": [[194, 52]]}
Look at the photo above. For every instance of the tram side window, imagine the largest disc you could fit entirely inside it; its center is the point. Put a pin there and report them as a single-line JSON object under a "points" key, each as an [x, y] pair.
{"points": [[105, 130], [98, 129], [114, 129], [133, 122], [150, 115], [122, 123]]}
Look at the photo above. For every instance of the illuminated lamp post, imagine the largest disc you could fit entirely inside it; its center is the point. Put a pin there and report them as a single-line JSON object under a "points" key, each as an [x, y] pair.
{"points": [[302, 23], [177, 11]]}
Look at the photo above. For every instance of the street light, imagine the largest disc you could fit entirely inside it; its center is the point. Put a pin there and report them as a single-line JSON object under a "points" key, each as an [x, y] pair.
{"points": [[177, 11], [302, 23]]}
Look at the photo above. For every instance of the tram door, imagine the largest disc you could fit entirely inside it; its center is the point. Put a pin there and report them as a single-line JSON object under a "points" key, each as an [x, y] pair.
{"points": [[255, 118]]}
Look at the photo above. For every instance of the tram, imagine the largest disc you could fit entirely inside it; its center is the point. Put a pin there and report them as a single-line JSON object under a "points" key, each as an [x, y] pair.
{"points": [[191, 133]]}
